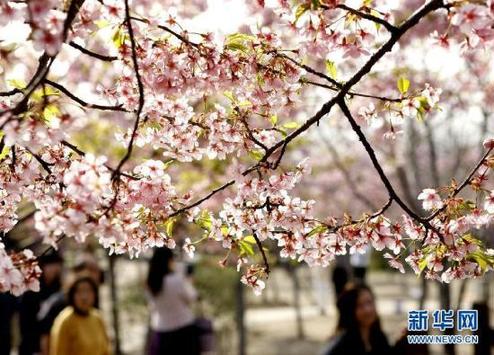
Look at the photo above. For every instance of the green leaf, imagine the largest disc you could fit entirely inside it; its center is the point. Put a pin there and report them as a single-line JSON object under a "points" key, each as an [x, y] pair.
{"points": [[244, 103], [256, 154], [422, 264], [483, 260], [291, 125], [102, 23], [317, 230], [39, 94], [403, 85], [316, 4], [5, 151], [250, 239], [50, 111], [204, 221], [118, 37], [301, 9], [169, 227], [238, 41], [331, 69], [229, 95], [273, 119], [17, 83], [246, 248]]}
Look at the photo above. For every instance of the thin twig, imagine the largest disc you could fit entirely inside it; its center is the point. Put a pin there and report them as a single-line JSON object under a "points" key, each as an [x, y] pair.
{"points": [[82, 153], [463, 184], [391, 28], [261, 249]]}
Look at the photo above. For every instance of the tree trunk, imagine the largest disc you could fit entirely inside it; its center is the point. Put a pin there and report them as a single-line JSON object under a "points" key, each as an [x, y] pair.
{"points": [[114, 304], [445, 297], [296, 302], [240, 313]]}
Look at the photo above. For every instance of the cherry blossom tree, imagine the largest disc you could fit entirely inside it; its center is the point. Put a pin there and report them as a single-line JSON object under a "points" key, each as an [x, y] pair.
{"points": [[173, 97]]}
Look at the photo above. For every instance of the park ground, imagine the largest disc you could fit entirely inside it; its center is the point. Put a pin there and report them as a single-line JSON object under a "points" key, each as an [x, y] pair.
{"points": [[271, 318]]}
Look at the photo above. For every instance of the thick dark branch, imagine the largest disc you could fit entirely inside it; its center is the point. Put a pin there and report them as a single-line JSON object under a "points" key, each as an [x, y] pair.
{"points": [[391, 28], [10, 93], [102, 57], [82, 102], [364, 70], [326, 108], [140, 87], [372, 155]]}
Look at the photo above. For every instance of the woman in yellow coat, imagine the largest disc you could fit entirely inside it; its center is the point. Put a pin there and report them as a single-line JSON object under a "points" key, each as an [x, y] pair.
{"points": [[79, 328]]}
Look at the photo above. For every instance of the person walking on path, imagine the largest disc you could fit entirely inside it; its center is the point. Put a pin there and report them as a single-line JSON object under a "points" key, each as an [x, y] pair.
{"points": [[173, 329], [79, 329]]}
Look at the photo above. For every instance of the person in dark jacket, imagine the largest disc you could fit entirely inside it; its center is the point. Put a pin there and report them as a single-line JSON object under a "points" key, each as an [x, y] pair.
{"points": [[359, 330], [31, 302]]}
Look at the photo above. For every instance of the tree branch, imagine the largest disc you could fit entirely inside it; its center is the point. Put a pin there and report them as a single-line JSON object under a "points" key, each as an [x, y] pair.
{"points": [[372, 155], [364, 70], [102, 57], [463, 184], [365, 15], [10, 93], [82, 102], [140, 87], [353, 93], [82, 153], [261, 249]]}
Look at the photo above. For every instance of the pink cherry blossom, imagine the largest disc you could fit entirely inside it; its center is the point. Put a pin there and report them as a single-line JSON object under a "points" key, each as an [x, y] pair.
{"points": [[431, 199]]}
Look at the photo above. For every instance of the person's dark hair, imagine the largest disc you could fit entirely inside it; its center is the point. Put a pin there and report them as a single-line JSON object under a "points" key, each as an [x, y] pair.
{"points": [[347, 305], [50, 258], [73, 289], [348, 339], [159, 267]]}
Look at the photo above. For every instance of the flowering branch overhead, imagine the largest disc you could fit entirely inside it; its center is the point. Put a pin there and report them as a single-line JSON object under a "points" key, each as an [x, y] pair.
{"points": [[188, 115]]}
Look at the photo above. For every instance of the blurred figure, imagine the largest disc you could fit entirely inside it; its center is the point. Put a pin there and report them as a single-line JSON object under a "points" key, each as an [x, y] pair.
{"points": [[484, 332], [360, 262], [359, 330], [86, 266], [339, 277], [173, 330], [79, 328], [402, 347], [32, 302], [8, 305]]}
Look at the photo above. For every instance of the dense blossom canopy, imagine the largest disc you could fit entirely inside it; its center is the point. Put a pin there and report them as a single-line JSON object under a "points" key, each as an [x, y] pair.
{"points": [[173, 97]]}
